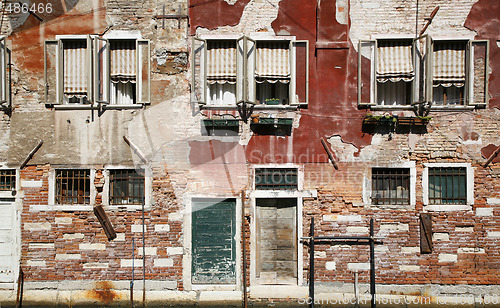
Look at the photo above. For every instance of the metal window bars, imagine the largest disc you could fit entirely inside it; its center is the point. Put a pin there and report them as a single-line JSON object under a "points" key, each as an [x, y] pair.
{"points": [[72, 186], [127, 187], [447, 185], [391, 186], [276, 178], [7, 180]]}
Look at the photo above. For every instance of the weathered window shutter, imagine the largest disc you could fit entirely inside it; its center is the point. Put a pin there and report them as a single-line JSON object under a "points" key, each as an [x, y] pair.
{"points": [[90, 95], [4, 73], [53, 72], [143, 77], [299, 64], [478, 62], [101, 70], [367, 55], [198, 71], [250, 58], [105, 223], [425, 233], [421, 58]]}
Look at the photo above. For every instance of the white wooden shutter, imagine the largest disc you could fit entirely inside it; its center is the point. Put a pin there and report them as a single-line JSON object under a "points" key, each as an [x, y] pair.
{"points": [[53, 72], [367, 90], [241, 85], [143, 77], [421, 57], [4, 73], [299, 64], [477, 78], [250, 58], [198, 71], [101, 70]]}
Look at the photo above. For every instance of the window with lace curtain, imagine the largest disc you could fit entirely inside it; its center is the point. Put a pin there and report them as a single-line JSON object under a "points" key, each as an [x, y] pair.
{"points": [[264, 71], [441, 73], [395, 72], [88, 69]]}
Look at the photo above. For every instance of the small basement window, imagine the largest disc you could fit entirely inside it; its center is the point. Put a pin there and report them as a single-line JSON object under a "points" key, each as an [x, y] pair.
{"points": [[391, 186], [72, 186], [220, 127], [447, 185], [7, 180], [126, 187], [276, 178]]}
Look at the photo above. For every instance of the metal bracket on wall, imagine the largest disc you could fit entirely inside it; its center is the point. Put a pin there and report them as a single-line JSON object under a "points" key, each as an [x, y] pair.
{"points": [[178, 16]]}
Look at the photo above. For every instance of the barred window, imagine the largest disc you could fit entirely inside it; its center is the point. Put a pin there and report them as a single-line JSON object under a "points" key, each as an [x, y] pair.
{"points": [[276, 178], [127, 187], [447, 185], [7, 180], [73, 186], [391, 186]]}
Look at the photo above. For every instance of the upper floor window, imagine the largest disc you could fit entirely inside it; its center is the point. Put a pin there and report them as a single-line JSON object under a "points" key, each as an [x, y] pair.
{"points": [[96, 70], [265, 72], [395, 72], [442, 73]]}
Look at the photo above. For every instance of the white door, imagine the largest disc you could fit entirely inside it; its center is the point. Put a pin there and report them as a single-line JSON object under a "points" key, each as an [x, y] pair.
{"points": [[8, 244]]}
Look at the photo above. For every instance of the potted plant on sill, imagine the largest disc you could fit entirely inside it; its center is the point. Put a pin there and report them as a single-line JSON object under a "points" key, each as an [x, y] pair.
{"points": [[272, 101]]}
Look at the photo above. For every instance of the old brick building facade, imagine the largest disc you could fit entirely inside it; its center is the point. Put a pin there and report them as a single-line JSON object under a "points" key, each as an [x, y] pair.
{"points": [[212, 132]]}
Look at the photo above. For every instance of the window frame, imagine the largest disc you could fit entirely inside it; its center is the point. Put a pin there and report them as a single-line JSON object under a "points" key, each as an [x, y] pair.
{"points": [[469, 176], [469, 102], [367, 186], [148, 184], [373, 43], [12, 193], [52, 205], [387, 173], [54, 85], [245, 66], [422, 85], [5, 88], [59, 69]]}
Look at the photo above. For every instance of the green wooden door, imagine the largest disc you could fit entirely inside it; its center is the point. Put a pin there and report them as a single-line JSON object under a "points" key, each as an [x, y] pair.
{"points": [[213, 241]]}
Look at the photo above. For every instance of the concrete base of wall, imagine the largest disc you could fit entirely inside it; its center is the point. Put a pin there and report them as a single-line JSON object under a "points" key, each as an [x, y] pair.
{"points": [[160, 294]]}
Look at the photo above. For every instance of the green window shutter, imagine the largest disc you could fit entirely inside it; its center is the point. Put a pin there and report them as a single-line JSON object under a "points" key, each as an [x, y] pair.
{"points": [[213, 242]]}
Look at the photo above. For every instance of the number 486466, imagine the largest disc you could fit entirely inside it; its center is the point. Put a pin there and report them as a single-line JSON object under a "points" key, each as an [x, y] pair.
{"points": [[18, 8]]}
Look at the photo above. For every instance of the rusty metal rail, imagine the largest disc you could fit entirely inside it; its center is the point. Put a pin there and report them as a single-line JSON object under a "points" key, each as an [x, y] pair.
{"points": [[358, 240]]}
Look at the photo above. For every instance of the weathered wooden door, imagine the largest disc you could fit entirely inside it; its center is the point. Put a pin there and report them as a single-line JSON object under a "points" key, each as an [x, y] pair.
{"points": [[213, 241], [276, 224], [8, 244]]}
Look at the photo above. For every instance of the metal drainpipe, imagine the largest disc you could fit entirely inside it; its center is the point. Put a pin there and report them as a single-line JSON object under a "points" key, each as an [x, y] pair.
{"points": [[243, 239], [143, 260], [356, 288]]}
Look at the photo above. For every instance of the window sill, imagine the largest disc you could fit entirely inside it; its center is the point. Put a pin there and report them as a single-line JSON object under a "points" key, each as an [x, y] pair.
{"points": [[393, 206], [255, 107], [127, 207], [452, 108], [447, 207], [392, 107], [62, 208], [96, 107]]}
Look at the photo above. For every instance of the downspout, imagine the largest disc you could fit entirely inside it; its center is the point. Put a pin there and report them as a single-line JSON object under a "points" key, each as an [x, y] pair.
{"points": [[243, 241], [143, 260]]}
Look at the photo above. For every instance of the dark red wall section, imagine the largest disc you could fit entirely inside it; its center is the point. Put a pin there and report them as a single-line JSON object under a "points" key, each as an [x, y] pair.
{"points": [[212, 14], [332, 106], [484, 19]]}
